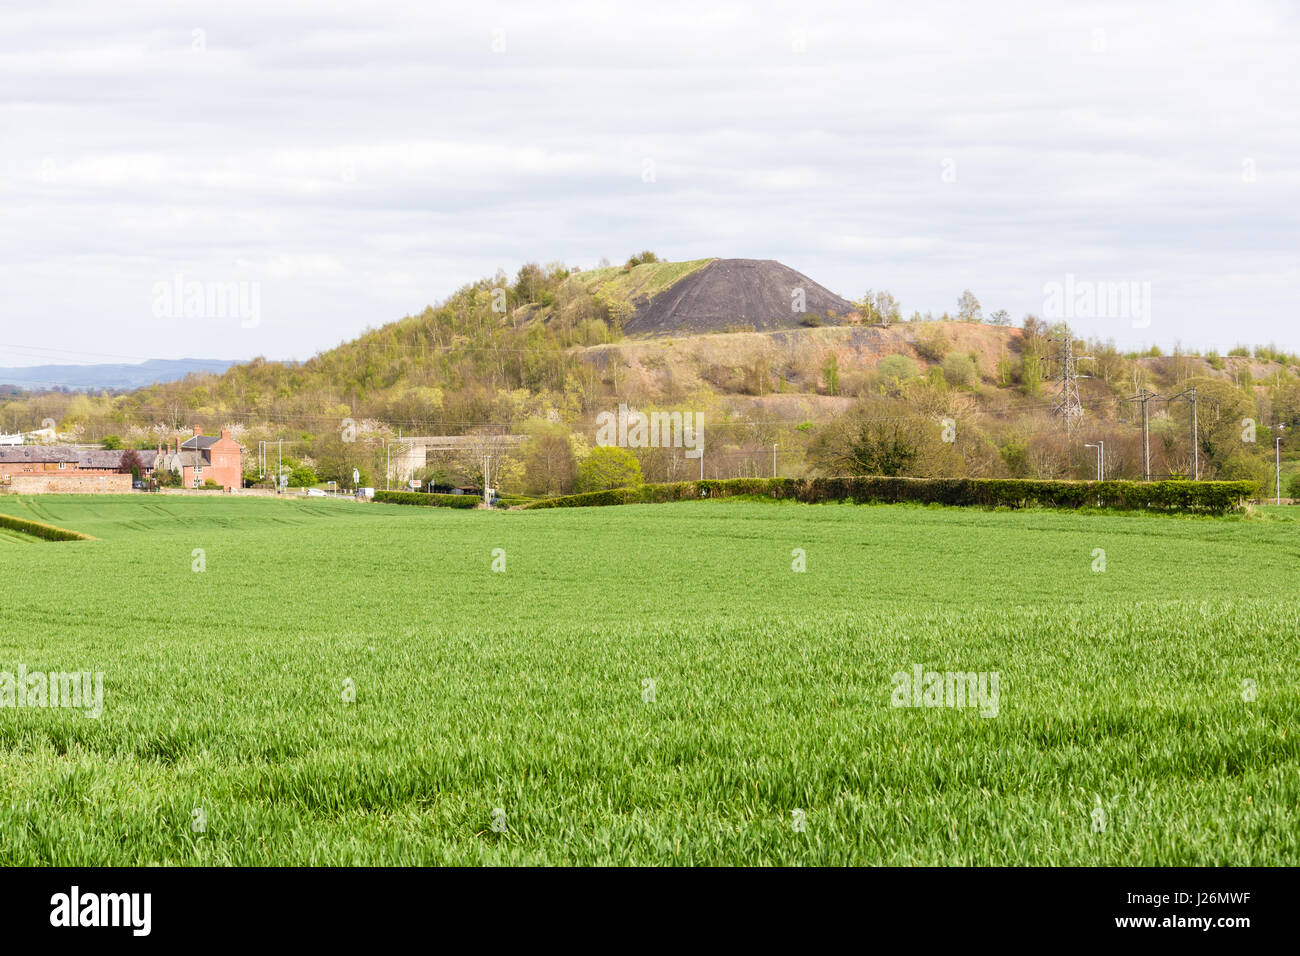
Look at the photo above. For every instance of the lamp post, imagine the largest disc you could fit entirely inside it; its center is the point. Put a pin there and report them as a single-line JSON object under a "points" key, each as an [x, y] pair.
{"points": [[1099, 446], [1277, 451], [774, 461]]}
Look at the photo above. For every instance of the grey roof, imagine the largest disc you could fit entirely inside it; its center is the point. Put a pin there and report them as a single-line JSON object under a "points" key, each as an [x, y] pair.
{"points": [[201, 441], [22, 453], [110, 458]]}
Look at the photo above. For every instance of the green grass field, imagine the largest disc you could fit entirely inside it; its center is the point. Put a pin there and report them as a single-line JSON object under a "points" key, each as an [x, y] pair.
{"points": [[524, 690]]}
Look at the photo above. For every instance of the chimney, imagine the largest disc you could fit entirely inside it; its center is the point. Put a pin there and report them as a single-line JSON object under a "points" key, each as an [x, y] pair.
{"points": [[197, 431], [225, 433]]}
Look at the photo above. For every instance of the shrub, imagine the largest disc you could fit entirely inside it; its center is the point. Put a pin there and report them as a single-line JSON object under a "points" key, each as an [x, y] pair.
{"points": [[1242, 467], [932, 343], [831, 374], [958, 369], [1293, 486], [607, 467], [1015, 455], [897, 368], [420, 498], [131, 463]]}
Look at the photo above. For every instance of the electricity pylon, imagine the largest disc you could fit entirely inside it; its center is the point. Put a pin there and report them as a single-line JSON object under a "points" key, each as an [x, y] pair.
{"points": [[1067, 404]]}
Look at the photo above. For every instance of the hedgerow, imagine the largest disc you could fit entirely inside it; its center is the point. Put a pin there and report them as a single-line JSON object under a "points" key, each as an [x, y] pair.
{"points": [[1205, 497], [420, 498], [46, 532]]}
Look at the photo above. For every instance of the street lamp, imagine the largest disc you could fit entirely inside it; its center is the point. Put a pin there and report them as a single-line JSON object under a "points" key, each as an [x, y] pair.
{"points": [[774, 461], [1101, 451], [1277, 451]]}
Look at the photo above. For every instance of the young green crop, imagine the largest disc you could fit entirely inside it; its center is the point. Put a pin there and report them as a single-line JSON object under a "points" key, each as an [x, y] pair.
{"points": [[651, 684]]}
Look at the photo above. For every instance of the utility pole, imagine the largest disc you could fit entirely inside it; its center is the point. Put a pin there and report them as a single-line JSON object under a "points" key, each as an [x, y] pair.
{"points": [[279, 467], [773, 461], [1190, 395], [487, 460], [1145, 397], [1068, 405]]}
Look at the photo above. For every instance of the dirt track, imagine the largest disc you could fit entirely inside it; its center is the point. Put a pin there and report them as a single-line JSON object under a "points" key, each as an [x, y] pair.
{"points": [[729, 294]]}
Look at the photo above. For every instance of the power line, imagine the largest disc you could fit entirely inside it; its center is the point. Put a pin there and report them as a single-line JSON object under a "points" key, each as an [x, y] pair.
{"points": [[250, 419]]}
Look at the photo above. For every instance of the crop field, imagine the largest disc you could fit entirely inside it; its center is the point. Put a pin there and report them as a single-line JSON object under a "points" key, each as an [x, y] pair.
{"points": [[327, 682]]}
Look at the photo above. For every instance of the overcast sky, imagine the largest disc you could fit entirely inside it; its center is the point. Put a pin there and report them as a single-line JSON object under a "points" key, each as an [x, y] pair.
{"points": [[351, 163]]}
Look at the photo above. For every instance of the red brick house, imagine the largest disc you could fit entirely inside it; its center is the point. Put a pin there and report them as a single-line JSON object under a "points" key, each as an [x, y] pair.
{"points": [[45, 469], [206, 458], [51, 469]]}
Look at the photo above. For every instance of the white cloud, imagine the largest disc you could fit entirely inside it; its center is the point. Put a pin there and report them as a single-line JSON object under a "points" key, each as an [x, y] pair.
{"points": [[363, 161]]}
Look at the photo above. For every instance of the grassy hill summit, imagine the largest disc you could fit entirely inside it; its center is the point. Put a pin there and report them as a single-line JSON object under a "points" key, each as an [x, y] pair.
{"points": [[544, 353]]}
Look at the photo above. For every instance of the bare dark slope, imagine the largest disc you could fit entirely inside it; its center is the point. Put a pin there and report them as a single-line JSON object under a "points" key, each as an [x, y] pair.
{"points": [[731, 293]]}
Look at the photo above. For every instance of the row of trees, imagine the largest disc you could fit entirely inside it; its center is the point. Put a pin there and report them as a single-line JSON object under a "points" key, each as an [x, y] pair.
{"points": [[881, 308]]}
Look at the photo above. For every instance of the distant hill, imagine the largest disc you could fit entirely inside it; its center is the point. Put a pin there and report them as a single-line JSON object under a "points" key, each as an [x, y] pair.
{"points": [[554, 347], [116, 376]]}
